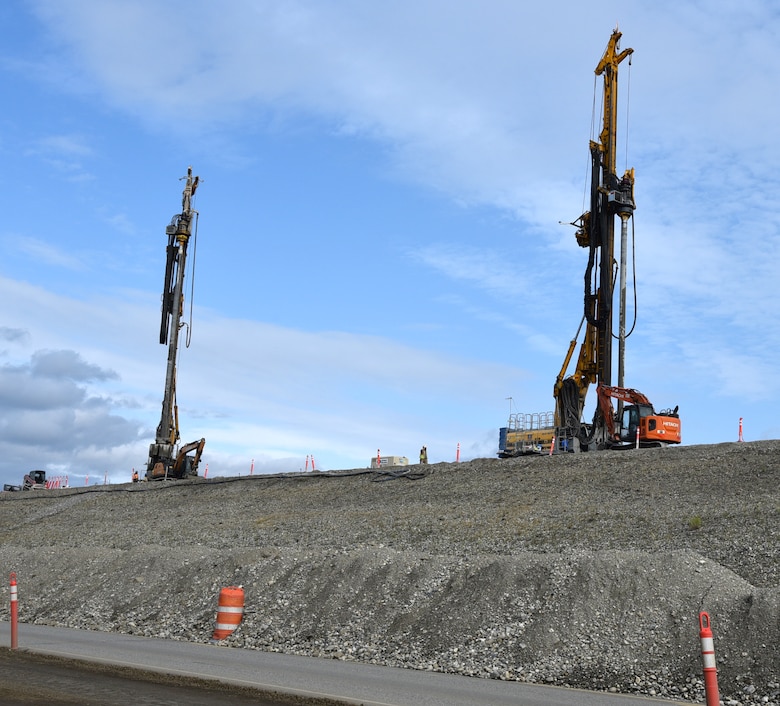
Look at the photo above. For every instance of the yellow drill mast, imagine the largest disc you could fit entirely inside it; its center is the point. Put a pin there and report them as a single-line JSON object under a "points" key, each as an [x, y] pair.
{"points": [[609, 196]]}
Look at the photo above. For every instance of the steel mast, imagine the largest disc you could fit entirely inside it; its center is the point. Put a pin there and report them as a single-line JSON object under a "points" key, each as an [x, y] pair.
{"points": [[609, 196], [179, 231]]}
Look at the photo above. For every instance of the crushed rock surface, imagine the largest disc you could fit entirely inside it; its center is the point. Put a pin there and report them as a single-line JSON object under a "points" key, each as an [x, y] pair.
{"points": [[585, 570]]}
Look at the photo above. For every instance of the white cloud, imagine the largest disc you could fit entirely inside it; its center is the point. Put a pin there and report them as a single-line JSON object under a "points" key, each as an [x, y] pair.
{"points": [[454, 111], [65, 153], [270, 392], [64, 145], [42, 251], [484, 103]]}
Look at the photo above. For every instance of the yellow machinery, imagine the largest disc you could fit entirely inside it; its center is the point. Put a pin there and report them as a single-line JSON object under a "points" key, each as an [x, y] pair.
{"points": [[165, 459], [610, 196], [526, 434]]}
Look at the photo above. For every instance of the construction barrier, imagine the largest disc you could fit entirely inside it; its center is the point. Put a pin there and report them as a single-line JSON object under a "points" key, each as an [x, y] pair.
{"points": [[230, 611], [14, 614], [708, 660]]}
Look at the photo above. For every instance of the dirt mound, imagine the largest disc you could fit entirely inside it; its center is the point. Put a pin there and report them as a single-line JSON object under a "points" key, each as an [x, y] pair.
{"points": [[587, 570]]}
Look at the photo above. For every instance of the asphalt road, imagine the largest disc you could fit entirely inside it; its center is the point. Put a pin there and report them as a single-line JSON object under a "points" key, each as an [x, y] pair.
{"points": [[29, 679], [281, 679]]}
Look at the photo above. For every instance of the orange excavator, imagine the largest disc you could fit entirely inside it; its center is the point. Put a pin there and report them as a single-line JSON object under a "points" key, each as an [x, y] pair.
{"points": [[639, 425]]}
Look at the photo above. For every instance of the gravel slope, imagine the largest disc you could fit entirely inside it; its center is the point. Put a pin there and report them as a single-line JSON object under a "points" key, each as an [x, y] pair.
{"points": [[586, 570]]}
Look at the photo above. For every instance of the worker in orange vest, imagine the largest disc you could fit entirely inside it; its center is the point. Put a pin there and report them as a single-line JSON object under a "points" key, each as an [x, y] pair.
{"points": [[135, 476]]}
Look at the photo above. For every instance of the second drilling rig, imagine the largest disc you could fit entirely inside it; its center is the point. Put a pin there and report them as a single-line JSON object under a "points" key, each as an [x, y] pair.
{"points": [[636, 424], [166, 458]]}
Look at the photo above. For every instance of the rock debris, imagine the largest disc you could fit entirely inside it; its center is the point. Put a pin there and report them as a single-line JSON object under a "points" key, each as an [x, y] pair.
{"points": [[584, 570]]}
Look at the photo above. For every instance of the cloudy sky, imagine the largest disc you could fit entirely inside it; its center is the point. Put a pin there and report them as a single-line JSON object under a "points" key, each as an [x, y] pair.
{"points": [[380, 261]]}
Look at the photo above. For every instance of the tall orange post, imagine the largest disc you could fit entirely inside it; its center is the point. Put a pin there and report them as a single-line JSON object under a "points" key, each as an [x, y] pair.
{"points": [[14, 613], [708, 660]]}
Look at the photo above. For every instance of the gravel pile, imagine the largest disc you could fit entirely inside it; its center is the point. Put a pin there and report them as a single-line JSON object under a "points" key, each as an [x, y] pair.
{"points": [[584, 570]]}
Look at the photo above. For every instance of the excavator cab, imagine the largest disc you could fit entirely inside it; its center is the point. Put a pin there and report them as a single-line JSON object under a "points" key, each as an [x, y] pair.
{"points": [[632, 414], [34, 480], [654, 429]]}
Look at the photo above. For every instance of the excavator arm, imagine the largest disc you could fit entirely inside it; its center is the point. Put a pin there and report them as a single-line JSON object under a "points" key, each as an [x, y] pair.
{"points": [[186, 465], [605, 394], [626, 394]]}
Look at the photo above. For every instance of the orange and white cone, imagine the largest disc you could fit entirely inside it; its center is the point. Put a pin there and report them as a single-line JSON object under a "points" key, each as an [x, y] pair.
{"points": [[229, 613], [708, 661]]}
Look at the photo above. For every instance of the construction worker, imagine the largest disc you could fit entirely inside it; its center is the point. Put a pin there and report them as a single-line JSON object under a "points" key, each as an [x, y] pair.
{"points": [[135, 476], [423, 455]]}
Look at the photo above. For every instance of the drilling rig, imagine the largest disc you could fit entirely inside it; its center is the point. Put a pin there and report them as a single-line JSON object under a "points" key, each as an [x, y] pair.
{"points": [[610, 196], [166, 458]]}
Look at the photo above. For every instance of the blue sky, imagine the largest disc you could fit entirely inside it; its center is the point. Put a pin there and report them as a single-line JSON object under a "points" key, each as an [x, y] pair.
{"points": [[380, 261]]}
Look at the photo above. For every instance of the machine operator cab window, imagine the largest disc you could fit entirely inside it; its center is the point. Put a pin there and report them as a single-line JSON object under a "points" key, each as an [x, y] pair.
{"points": [[630, 421]]}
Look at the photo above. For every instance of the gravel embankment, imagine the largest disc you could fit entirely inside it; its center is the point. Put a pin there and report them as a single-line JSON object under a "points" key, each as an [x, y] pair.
{"points": [[586, 570]]}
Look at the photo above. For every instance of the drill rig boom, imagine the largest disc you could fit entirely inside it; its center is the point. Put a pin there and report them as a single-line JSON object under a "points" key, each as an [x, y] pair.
{"points": [[611, 196], [164, 459]]}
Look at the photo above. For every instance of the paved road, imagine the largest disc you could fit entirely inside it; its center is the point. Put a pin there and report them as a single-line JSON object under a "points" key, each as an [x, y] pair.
{"points": [[304, 677], [31, 679]]}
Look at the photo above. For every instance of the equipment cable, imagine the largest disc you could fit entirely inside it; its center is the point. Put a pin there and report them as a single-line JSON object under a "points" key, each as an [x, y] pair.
{"points": [[628, 105], [592, 134], [160, 484], [633, 274], [633, 224], [188, 338]]}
